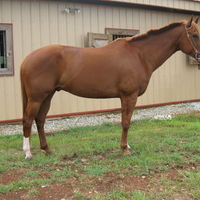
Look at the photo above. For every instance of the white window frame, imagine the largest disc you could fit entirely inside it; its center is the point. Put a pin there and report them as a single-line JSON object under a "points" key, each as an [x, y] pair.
{"points": [[8, 54]]}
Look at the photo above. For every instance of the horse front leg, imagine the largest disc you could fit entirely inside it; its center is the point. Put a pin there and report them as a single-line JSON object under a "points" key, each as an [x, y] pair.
{"points": [[128, 105]]}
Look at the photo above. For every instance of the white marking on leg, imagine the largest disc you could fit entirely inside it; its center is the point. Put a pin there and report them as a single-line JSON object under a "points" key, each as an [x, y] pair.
{"points": [[128, 146], [26, 148]]}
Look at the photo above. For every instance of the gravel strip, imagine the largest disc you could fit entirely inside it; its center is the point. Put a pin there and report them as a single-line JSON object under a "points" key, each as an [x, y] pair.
{"points": [[160, 112]]}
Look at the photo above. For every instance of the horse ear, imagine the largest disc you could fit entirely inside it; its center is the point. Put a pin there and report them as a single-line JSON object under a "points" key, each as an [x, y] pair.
{"points": [[196, 20], [188, 25]]}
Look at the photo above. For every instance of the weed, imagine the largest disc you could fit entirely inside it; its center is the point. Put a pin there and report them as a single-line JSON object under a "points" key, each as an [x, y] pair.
{"points": [[4, 188], [32, 174], [2, 169], [33, 192], [191, 181], [96, 170]]}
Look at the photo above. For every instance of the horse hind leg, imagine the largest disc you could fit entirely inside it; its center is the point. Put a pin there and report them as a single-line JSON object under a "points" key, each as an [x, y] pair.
{"points": [[40, 120], [29, 115], [26, 148]]}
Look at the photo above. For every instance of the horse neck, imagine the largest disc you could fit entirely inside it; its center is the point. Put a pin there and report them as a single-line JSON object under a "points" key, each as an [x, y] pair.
{"points": [[157, 48]]}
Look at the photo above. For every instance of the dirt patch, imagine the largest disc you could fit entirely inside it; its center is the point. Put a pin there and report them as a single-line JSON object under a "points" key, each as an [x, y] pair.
{"points": [[11, 176], [88, 186]]}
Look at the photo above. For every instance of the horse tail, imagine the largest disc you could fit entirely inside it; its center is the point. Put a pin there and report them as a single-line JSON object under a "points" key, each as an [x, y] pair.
{"points": [[23, 92]]}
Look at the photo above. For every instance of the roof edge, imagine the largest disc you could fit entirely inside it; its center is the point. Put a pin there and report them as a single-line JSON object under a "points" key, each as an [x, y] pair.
{"points": [[136, 5]]}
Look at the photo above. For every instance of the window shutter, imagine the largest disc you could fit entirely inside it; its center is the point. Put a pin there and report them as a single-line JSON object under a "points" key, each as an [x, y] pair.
{"points": [[98, 39]]}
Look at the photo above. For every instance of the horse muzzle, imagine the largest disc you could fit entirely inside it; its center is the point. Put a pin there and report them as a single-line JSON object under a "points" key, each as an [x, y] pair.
{"points": [[197, 56]]}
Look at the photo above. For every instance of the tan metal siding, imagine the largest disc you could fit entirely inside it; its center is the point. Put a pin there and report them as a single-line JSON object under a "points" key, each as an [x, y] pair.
{"points": [[179, 4], [39, 23]]}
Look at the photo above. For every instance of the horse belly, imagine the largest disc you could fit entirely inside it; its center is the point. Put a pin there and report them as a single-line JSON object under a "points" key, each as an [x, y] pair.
{"points": [[92, 90], [92, 86]]}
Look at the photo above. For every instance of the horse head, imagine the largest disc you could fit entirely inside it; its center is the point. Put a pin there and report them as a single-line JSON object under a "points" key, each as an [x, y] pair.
{"points": [[191, 43]]}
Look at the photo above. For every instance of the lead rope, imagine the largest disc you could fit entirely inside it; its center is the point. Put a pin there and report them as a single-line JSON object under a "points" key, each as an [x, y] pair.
{"points": [[197, 53]]}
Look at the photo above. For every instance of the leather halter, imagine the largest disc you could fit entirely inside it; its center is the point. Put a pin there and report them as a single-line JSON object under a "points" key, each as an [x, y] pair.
{"points": [[197, 53]]}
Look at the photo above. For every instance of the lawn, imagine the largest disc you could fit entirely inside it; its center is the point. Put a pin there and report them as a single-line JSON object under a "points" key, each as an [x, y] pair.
{"points": [[87, 163]]}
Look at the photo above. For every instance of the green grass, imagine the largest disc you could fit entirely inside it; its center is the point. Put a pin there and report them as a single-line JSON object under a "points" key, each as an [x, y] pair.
{"points": [[122, 195], [85, 152]]}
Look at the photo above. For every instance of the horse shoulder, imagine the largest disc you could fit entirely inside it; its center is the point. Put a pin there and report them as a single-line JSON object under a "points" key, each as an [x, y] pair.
{"points": [[135, 70]]}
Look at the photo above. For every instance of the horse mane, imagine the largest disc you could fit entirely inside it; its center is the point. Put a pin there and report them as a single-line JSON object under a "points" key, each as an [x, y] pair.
{"points": [[155, 31]]}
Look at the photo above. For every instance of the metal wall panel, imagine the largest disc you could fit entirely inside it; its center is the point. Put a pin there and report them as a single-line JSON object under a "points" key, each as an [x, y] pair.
{"points": [[39, 23], [179, 4]]}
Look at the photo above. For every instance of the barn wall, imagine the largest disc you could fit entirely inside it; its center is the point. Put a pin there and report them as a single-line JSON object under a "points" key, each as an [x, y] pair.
{"points": [[179, 4], [39, 23]]}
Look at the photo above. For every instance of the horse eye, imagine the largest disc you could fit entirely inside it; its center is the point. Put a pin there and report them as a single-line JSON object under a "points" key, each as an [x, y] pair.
{"points": [[195, 36]]}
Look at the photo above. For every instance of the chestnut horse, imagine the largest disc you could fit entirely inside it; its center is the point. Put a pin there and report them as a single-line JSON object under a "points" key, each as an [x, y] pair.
{"points": [[120, 69]]}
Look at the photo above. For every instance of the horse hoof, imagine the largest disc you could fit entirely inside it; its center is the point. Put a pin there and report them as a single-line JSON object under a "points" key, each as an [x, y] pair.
{"points": [[48, 152], [127, 153], [28, 157]]}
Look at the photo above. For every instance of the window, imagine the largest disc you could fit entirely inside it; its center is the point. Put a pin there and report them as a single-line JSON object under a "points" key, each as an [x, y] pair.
{"points": [[121, 33], [6, 52], [111, 34]]}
